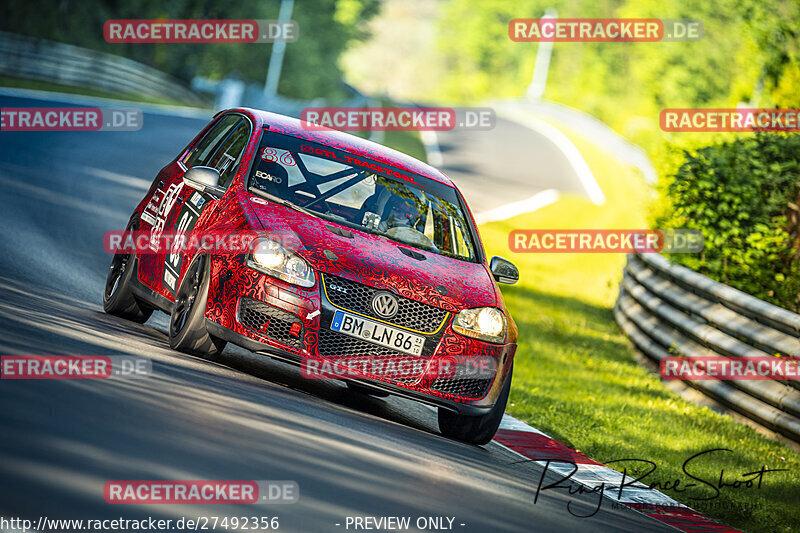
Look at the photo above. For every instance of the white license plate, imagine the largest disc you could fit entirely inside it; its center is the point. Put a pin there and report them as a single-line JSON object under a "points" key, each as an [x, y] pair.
{"points": [[377, 333]]}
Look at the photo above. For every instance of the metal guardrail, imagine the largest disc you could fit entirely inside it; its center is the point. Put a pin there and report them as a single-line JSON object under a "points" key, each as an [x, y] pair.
{"points": [[22, 56], [670, 310]]}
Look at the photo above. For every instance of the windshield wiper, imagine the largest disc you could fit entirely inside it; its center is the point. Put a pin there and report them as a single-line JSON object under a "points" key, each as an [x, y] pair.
{"points": [[287, 203]]}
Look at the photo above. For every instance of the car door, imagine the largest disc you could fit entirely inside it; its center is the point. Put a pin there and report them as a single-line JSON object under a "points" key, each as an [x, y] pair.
{"points": [[174, 207], [226, 158]]}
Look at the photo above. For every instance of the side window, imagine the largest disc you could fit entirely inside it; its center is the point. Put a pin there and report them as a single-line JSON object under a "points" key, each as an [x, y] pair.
{"points": [[229, 155], [206, 148]]}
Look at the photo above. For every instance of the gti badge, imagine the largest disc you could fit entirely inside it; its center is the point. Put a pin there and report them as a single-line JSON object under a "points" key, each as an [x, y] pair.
{"points": [[384, 304]]}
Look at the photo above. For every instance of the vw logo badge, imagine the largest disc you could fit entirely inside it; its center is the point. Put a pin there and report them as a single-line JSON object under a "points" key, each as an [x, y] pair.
{"points": [[384, 304]]}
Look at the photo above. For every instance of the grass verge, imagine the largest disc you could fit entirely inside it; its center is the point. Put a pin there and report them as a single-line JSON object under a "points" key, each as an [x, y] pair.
{"points": [[575, 377]]}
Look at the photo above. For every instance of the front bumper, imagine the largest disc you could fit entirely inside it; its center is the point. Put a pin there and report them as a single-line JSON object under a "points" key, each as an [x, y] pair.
{"points": [[293, 324]]}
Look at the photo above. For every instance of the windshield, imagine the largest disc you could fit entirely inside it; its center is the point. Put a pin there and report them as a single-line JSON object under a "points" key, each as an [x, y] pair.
{"points": [[361, 193]]}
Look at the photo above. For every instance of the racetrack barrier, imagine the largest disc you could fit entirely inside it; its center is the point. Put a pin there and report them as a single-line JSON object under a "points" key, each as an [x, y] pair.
{"points": [[32, 58], [670, 310]]}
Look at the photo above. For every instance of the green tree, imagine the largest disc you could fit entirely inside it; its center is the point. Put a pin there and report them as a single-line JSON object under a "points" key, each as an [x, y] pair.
{"points": [[310, 66]]}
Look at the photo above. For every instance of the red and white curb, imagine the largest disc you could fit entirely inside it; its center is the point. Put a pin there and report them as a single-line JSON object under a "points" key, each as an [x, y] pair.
{"points": [[530, 443]]}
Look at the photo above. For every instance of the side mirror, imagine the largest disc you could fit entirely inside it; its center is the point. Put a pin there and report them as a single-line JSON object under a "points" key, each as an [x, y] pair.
{"points": [[503, 270], [204, 179]]}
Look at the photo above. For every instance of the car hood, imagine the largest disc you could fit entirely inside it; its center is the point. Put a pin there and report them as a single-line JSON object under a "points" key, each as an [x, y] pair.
{"points": [[375, 260]]}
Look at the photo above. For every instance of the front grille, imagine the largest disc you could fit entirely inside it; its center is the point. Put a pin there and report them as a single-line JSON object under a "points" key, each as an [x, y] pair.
{"points": [[358, 298], [469, 387], [346, 348], [270, 322]]}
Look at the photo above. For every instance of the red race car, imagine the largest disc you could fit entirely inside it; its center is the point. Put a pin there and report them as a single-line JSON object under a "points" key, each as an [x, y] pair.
{"points": [[364, 265]]}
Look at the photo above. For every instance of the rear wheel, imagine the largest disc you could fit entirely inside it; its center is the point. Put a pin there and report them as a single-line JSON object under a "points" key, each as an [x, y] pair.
{"points": [[117, 296], [187, 327], [475, 429]]}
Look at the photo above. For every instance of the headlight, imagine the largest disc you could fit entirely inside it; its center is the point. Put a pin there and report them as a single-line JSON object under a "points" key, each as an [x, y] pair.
{"points": [[272, 258], [485, 323]]}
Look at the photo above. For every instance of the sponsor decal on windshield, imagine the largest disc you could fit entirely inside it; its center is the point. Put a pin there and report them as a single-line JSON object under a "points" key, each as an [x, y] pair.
{"points": [[352, 160]]}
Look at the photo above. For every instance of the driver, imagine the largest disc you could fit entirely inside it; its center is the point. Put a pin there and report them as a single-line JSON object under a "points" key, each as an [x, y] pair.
{"points": [[400, 221], [400, 213]]}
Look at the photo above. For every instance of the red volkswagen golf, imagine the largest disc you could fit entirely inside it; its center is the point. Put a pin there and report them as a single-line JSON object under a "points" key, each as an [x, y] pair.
{"points": [[366, 266]]}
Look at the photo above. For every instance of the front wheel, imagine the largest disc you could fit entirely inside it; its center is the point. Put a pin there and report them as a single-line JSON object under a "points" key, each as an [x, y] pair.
{"points": [[187, 327], [475, 429]]}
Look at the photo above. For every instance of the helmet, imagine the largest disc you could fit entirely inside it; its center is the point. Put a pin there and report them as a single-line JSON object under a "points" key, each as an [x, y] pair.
{"points": [[401, 212]]}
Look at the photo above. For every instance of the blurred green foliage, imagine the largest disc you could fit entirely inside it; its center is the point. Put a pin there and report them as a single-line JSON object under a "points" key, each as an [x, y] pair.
{"points": [[310, 67], [743, 196], [740, 190], [750, 51]]}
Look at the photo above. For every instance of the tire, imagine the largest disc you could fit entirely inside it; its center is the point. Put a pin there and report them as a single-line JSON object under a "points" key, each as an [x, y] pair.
{"points": [[361, 389], [475, 429], [118, 299], [187, 327]]}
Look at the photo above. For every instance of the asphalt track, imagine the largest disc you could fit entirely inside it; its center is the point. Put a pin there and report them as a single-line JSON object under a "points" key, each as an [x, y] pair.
{"points": [[241, 417], [504, 164]]}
